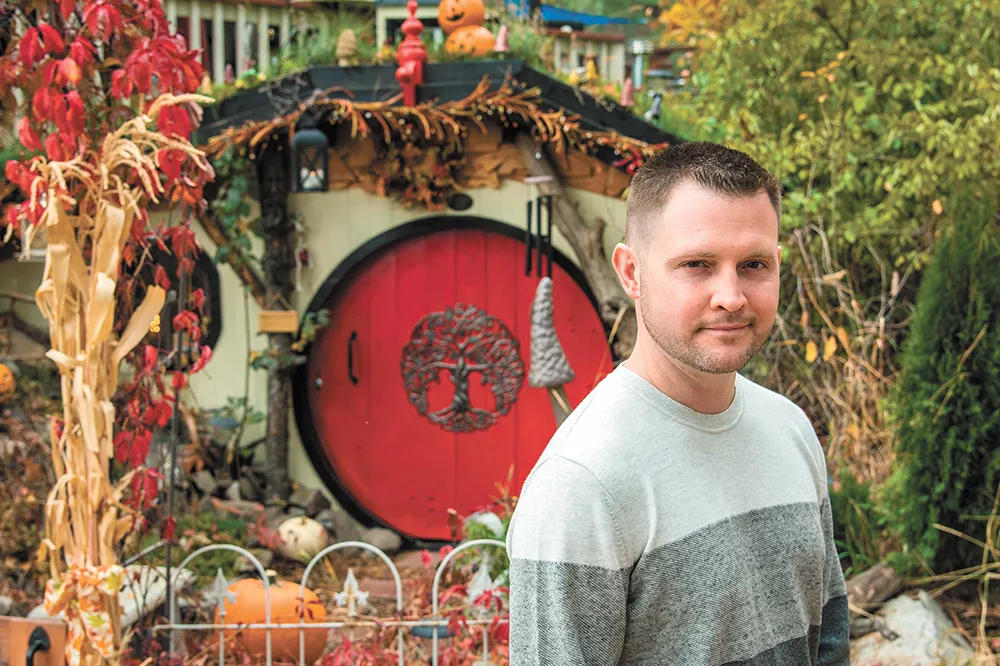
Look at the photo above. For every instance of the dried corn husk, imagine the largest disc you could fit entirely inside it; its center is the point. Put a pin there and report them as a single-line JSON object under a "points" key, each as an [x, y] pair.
{"points": [[85, 519]]}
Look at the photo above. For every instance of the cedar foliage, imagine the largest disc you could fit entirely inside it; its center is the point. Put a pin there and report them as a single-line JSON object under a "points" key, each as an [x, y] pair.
{"points": [[946, 406]]}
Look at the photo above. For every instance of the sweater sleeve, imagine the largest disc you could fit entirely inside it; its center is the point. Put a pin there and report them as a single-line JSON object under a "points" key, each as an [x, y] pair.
{"points": [[568, 572], [834, 635]]}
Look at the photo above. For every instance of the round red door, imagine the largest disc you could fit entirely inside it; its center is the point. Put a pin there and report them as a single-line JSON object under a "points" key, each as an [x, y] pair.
{"points": [[418, 397]]}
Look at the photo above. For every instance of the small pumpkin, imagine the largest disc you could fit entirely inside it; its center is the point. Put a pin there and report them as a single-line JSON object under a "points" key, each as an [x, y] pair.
{"points": [[7, 381], [455, 14], [249, 608], [471, 40]]}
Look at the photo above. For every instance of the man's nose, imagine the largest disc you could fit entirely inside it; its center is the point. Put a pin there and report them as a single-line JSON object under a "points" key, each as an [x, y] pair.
{"points": [[727, 292]]}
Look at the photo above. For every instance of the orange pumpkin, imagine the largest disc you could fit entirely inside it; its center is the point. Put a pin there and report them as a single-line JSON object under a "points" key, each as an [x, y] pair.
{"points": [[471, 40], [7, 381], [455, 14], [249, 608]]}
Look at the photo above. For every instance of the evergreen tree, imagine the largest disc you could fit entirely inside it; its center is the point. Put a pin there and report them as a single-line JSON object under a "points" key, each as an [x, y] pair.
{"points": [[946, 406]]}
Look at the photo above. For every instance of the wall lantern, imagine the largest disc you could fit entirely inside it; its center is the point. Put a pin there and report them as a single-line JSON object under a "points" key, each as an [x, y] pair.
{"points": [[309, 157]]}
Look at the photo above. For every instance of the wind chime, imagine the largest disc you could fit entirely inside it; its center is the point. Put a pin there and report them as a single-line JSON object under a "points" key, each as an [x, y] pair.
{"points": [[538, 243]]}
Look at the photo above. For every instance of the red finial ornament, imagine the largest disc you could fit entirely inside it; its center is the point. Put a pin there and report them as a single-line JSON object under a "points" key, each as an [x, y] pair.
{"points": [[412, 54]]}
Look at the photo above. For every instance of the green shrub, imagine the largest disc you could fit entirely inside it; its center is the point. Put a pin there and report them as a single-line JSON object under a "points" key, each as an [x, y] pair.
{"points": [[855, 524], [946, 405]]}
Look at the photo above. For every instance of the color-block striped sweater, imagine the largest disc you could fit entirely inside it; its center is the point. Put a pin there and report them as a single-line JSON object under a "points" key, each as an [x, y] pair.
{"points": [[649, 533]]}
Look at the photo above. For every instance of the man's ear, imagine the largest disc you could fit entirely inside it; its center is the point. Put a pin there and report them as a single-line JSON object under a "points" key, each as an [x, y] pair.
{"points": [[626, 263], [779, 255]]}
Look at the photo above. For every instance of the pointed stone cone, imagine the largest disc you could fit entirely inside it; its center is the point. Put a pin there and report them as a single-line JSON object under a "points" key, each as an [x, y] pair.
{"points": [[550, 369], [500, 46], [627, 93]]}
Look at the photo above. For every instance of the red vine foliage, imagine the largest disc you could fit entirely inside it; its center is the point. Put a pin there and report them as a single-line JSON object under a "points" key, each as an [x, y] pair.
{"points": [[82, 69]]}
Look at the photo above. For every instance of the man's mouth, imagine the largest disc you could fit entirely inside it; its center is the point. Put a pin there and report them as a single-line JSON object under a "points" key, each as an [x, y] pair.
{"points": [[727, 327]]}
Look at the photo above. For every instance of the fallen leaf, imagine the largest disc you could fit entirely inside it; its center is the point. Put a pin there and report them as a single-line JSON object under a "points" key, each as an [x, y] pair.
{"points": [[811, 351], [830, 348], [937, 207], [842, 336]]}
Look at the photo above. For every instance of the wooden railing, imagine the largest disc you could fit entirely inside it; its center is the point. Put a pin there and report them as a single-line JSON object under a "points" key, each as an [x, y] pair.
{"points": [[236, 33]]}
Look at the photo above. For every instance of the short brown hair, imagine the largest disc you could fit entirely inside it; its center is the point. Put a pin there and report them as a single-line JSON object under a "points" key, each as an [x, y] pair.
{"points": [[710, 165]]}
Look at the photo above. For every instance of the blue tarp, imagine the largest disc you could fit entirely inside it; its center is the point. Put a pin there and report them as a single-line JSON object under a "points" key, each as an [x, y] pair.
{"points": [[558, 16]]}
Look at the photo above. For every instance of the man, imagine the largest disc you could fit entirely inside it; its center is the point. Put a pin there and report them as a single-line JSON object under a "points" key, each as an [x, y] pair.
{"points": [[680, 515]]}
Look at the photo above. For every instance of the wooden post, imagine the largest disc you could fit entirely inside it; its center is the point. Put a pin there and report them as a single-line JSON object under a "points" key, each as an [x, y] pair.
{"points": [[279, 266], [218, 44], [587, 240]]}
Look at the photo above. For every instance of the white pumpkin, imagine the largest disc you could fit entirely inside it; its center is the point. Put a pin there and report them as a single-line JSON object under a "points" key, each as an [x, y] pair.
{"points": [[302, 538]]}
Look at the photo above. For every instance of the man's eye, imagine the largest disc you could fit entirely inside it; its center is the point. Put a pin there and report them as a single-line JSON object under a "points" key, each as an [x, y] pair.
{"points": [[694, 264], [756, 265]]}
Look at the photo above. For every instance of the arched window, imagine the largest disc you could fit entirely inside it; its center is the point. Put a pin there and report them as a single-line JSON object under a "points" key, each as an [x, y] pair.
{"points": [[204, 277]]}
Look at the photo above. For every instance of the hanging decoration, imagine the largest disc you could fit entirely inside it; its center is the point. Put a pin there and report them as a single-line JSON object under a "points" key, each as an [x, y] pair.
{"points": [[420, 154], [538, 243]]}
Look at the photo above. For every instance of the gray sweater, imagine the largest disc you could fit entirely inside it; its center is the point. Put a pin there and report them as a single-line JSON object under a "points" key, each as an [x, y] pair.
{"points": [[649, 533]]}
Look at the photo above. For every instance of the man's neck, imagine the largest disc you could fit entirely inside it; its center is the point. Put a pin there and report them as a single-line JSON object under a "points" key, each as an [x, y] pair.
{"points": [[701, 391]]}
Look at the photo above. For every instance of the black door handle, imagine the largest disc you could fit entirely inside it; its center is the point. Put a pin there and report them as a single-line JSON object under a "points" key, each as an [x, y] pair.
{"points": [[37, 642], [350, 357]]}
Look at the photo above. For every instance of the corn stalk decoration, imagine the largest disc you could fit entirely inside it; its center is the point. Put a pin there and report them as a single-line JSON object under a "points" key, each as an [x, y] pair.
{"points": [[86, 519], [104, 93]]}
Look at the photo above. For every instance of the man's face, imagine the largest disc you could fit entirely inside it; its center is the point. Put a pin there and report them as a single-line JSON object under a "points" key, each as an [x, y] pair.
{"points": [[708, 278]]}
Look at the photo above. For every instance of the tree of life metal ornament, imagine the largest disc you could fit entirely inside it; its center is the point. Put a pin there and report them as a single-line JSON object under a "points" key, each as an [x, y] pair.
{"points": [[461, 340]]}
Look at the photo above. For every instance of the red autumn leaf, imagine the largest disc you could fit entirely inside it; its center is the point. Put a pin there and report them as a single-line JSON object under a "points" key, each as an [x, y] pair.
{"points": [[121, 85], [49, 70], [69, 71], [27, 137], [42, 102], [12, 170], [161, 278], [198, 299], [179, 381], [102, 19], [53, 41], [170, 162], [166, 411], [123, 441], [55, 148], [150, 358], [203, 358], [31, 47], [139, 450], [174, 120], [82, 51], [67, 7], [75, 111], [169, 526], [144, 489]]}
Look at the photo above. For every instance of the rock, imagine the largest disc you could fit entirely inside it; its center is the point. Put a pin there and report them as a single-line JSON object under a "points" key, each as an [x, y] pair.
{"points": [[145, 589], [384, 539], [243, 510], [340, 524], [248, 491], [204, 482], [295, 512], [274, 515], [245, 566], [6, 605], [926, 637], [313, 501], [488, 519], [206, 504], [233, 492]]}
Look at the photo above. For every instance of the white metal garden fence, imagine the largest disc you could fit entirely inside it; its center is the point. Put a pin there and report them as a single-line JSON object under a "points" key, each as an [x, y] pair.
{"points": [[349, 598]]}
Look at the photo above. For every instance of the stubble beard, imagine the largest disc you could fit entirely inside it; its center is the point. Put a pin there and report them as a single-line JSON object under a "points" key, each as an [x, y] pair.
{"points": [[690, 353]]}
